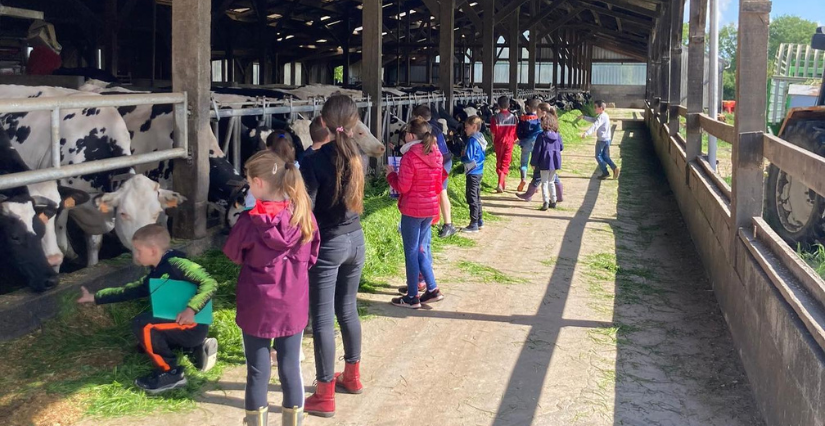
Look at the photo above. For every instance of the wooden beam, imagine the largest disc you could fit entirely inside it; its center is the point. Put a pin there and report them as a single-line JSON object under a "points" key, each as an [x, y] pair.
{"points": [[515, 52], [474, 18], [446, 69], [371, 49], [676, 19], [751, 80], [16, 12], [191, 68], [488, 52], [433, 7], [603, 30], [696, 77], [557, 24], [544, 14], [508, 10], [532, 50], [648, 23]]}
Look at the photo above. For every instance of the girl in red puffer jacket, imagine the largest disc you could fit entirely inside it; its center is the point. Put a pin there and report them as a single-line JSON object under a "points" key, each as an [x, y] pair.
{"points": [[418, 181]]}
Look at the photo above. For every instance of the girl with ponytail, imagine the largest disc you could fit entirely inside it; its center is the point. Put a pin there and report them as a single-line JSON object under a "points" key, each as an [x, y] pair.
{"points": [[418, 181], [276, 242], [334, 177]]}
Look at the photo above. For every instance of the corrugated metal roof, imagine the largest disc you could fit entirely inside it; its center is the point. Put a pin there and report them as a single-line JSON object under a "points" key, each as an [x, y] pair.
{"points": [[634, 74], [601, 54]]}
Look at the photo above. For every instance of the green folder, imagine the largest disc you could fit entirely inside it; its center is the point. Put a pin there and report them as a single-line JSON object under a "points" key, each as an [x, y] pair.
{"points": [[170, 297]]}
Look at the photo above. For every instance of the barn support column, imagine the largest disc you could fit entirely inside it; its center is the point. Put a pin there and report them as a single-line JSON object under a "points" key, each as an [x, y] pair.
{"points": [[531, 63], [696, 76], [371, 60], [191, 59], [676, 18], [409, 51], [446, 35], [110, 37], [752, 55], [555, 62], [514, 51], [488, 58], [664, 36], [563, 59], [429, 54]]}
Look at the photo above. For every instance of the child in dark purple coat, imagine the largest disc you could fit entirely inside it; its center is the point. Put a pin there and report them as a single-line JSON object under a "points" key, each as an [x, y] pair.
{"points": [[276, 243], [546, 158]]}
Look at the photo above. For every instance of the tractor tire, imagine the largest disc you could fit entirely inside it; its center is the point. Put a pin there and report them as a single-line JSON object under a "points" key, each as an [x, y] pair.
{"points": [[794, 211]]}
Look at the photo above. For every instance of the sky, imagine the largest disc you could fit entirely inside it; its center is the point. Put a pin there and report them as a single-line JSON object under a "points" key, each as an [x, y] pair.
{"points": [[813, 10]]}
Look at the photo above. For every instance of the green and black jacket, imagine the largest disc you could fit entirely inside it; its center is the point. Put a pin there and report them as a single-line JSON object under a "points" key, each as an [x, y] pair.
{"points": [[173, 266]]}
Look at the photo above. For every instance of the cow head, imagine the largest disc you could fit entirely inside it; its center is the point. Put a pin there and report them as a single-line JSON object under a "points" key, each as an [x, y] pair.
{"points": [[49, 200], [137, 203], [21, 231], [368, 143]]}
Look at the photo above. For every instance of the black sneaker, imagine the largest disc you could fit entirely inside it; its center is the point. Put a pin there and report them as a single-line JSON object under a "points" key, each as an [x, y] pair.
{"points": [[421, 288], [162, 381], [604, 176], [205, 355], [432, 296], [552, 205], [447, 230], [473, 227], [544, 207], [481, 224], [407, 302]]}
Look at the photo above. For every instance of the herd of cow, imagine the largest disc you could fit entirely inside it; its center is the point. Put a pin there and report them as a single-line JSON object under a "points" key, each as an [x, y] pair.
{"points": [[34, 219]]}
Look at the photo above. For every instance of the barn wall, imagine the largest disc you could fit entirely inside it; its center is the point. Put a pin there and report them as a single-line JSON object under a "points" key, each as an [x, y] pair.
{"points": [[784, 364], [622, 96]]}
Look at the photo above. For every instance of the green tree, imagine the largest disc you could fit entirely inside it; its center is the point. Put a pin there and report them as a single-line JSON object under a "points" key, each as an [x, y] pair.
{"points": [[789, 29], [685, 33], [338, 74], [727, 51]]}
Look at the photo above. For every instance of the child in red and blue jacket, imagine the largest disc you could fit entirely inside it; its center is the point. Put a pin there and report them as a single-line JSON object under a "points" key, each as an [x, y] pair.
{"points": [[503, 127], [528, 129]]}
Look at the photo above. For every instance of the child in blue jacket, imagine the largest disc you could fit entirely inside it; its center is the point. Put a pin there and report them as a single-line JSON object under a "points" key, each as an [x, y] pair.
{"points": [[527, 130], [473, 160]]}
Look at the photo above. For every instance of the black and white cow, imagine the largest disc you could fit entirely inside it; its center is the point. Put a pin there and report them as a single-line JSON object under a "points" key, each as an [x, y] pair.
{"points": [[26, 218], [86, 135]]}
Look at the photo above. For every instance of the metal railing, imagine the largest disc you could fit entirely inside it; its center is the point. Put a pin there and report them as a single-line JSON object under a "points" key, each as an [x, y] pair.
{"points": [[58, 104]]}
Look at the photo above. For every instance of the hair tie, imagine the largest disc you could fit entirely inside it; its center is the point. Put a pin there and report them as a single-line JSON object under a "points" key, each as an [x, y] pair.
{"points": [[275, 168], [340, 129], [282, 135]]}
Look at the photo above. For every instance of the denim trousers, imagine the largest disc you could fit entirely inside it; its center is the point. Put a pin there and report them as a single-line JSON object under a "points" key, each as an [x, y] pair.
{"points": [[416, 236]]}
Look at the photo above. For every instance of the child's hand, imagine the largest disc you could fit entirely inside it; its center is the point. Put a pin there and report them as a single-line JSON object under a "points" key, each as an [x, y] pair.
{"points": [[388, 169], [85, 296], [583, 135], [391, 146], [186, 317]]}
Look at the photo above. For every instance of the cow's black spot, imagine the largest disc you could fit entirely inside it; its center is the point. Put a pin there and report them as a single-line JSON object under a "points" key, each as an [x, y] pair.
{"points": [[70, 161], [211, 152], [132, 150], [72, 150], [172, 136], [126, 109], [88, 112], [131, 134], [69, 116], [36, 95], [22, 133], [103, 130], [95, 146], [63, 142], [157, 110]]}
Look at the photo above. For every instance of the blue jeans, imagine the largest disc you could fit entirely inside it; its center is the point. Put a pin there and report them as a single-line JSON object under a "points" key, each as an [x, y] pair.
{"points": [[333, 287], [416, 236], [526, 149], [603, 156]]}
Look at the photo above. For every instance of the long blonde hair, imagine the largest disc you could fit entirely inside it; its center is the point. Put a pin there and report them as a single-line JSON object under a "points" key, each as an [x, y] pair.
{"points": [[340, 113], [283, 176]]}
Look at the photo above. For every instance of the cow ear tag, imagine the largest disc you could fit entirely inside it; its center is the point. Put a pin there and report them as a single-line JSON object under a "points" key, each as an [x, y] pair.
{"points": [[104, 208], [172, 203], [69, 203], [43, 218]]}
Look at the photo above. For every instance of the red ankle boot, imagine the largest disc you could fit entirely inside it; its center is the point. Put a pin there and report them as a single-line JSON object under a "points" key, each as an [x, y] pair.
{"points": [[322, 402], [350, 380]]}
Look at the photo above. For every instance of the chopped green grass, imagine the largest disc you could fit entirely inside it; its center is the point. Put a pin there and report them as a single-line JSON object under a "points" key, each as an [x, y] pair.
{"points": [[815, 258], [488, 274]]}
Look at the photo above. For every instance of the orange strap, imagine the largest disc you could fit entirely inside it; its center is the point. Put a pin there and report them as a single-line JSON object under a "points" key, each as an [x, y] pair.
{"points": [[147, 340]]}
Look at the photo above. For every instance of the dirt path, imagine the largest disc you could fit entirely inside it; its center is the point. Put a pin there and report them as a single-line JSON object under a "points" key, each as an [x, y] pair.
{"points": [[596, 313]]}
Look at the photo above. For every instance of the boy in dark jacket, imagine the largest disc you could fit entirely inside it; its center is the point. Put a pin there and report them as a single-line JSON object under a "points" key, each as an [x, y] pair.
{"points": [[527, 130], [159, 337], [503, 127]]}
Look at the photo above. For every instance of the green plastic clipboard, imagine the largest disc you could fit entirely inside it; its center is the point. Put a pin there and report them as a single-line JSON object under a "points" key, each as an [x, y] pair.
{"points": [[170, 297]]}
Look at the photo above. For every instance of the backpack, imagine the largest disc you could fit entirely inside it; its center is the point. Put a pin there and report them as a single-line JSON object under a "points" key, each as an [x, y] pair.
{"points": [[524, 128]]}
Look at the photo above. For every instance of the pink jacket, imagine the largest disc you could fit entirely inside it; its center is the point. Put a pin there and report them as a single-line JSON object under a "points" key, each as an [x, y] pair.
{"points": [[273, 285], [419, 181]]}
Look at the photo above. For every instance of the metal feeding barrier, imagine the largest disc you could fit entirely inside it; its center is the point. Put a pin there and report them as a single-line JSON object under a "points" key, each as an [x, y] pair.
{"points": [[265, 108], [57, 105]]}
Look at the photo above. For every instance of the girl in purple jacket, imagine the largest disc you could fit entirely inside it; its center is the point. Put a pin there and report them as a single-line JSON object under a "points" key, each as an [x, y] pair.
{"points": [[546, 158], [276, 242]]}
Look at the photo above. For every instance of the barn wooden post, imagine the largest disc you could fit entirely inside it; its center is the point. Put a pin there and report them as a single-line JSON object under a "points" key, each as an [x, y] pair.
{"points": [[555, 62], [488, 58], [191, 59], [446, 35], [676, 15], [371, 75], [515, 51], [696, 77], [666, 39], [533, 51], [751, 80], [110, 36]]}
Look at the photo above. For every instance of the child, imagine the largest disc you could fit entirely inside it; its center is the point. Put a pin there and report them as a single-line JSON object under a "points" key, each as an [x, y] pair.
{"points": [[276, 243], [418, 181], [281, 144], [527, 130], [473, 159], [601, 125], [159, 337], [319, 134], [545, 109], [547, 158], [503, 128], [447, 229]]}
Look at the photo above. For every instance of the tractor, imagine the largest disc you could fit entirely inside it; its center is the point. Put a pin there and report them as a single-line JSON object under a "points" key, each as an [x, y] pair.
{"points": [[793, 210]]}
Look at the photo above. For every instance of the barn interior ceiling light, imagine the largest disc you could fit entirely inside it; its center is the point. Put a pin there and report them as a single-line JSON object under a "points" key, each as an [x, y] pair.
{"points": [[324, 18], [360, 6], [241, 10], [289, 37], [275, 16], [473, 4], [323, 40], [308, 23], [333, 23]]}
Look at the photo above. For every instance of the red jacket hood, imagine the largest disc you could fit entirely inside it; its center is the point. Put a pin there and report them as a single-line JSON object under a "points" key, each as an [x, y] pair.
{"points": [[432, 160], [272, 221]]}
